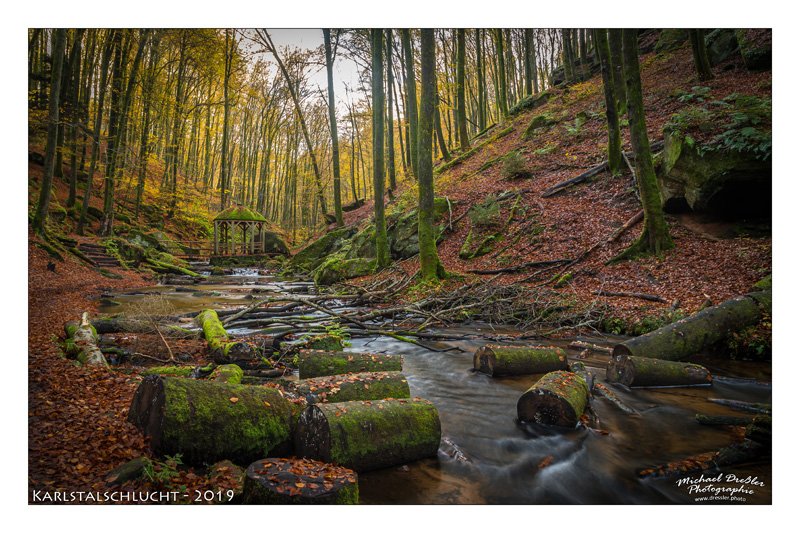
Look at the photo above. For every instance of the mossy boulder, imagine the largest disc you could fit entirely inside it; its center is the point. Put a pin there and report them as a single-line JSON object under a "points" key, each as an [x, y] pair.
{"points": [[541, 121], [671, 38], [487, 228], [338, 268], [530, 102], [721, 44], [362, 244], [764, 284], [175, 371], [274, 244], [313, 255], [706, 178], [403, 231], [755, 45]]}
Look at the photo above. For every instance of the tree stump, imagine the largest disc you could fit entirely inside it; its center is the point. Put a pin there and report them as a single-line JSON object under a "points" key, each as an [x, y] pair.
{"points": [[369, 435], [207, 421], [299, 481], [517, 360], [557, 399], [316, 363], [647, 372], [349, 387]]}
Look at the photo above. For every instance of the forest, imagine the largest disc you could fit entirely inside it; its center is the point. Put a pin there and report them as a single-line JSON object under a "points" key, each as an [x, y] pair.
{"points": [[392, 266]]}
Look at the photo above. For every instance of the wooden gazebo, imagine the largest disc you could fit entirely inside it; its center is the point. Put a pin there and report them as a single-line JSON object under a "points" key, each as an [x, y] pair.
{"points": [[239, 231]]}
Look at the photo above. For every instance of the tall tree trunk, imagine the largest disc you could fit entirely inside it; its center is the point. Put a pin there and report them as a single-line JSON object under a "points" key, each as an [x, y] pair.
{"points": [[461, 101], [224, 177], [480, 67], [655, 236], [530, 77], [59, 43], [700, 53], [615, 44], [74, 79], [614, 142], [502, 97], [430, 267], [381, 240], [390, 170], [337, 177], [569, 60], [98, 123], [144, 141], [411, 97]]}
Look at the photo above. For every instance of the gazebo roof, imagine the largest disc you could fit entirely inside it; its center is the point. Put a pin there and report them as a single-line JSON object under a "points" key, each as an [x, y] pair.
{"points": [[238, 212]]}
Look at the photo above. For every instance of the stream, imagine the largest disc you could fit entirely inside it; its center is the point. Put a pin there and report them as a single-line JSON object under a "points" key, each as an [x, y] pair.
{"points": [[486, 456]]}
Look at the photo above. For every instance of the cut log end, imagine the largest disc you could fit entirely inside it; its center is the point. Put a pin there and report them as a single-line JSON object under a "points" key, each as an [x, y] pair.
{"points": [[557, 399], [299, 481], [646, 372]]}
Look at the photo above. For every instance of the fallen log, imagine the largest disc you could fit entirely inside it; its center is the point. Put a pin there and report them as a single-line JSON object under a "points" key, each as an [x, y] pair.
{"points": [[635, 219], [516, 360], [517, 268], [84, 340], [611, 396], [740, 452], [583, 345], [316, 363], [557, 399], [352, 206], [579, 369], [558, 187], [712, 420], [760, 408], [222, 349], [207, 421], [760, 430], [349, 387], [689, 336], [639, 295], [299, 481], [649, 372], [369, 435]]}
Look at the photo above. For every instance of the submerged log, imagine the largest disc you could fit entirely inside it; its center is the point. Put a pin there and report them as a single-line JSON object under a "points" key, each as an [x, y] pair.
{"points": [[737, 453], [557, 399], [349, 387], [316, 363], [517, 360], [712, 420], [760, 408], [611, 396], [223, 350], [369, 435], [647, 372], [299, 481], [207, 421], [689, 336]]}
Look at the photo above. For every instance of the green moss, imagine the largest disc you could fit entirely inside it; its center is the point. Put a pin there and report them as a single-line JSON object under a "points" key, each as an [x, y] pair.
{"points": [[313, 255], [316, 363], [175, 371], [530, 102], [565, 278], [764, 284], [324, 342], [544, 120], [231, 374], [514, 166], [213, 330], [338, 268]]}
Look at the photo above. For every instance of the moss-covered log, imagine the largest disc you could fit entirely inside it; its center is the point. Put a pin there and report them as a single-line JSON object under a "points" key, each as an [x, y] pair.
{"points": [[557, 399], [369, 435], [349, 387], [691, 335], [316, 363], [207, 421], [648, 372], [84, 342], [222, 348], [299, 481], [517, 360], [231, 374]]}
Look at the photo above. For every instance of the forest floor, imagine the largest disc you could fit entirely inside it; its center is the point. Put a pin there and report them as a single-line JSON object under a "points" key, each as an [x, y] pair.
{"points": [[712, 260], [77, 415]]}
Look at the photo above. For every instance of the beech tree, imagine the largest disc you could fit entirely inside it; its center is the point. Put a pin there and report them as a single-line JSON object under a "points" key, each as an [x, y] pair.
{"points": [[655, 236], [614, 141], [381, 239], [430, 267], [337, 189], [700, 53]]}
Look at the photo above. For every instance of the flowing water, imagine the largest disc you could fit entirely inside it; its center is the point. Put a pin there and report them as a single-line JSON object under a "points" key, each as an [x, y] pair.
{"points": [[487, 457]]}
